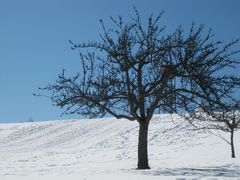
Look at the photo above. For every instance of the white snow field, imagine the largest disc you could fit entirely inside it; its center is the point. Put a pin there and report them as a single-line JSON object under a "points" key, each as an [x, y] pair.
{"points": [[107, 149]]}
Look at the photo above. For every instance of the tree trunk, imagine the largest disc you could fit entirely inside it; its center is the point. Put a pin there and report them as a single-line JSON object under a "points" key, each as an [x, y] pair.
{"points": [[232, 145], [142, 146]]}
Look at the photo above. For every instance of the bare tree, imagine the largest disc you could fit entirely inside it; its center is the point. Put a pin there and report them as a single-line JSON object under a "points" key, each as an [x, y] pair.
{"points": [[127, 73], [224, 117]]}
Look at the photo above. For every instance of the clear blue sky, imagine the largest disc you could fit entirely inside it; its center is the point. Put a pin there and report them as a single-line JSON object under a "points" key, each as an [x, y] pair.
{"points": [[34, 38]]}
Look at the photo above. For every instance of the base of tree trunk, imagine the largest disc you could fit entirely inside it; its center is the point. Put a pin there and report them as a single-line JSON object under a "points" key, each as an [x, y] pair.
{"points": [[143, 166], [142, 146], [232, 145]]}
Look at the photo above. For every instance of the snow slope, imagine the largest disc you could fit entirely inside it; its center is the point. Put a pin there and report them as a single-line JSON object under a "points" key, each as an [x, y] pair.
{"points": [[107, 149]]}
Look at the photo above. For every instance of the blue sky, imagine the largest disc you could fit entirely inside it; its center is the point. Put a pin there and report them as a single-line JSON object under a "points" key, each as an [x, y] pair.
{"points": [[34, 38]]}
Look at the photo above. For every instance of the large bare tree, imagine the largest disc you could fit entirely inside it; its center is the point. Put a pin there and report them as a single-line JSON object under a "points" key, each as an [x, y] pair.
{"points": [[126, 74]]}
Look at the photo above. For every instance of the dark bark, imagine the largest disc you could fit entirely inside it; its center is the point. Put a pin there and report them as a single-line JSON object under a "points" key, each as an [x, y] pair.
{"points": [[143, 146], [232, 144]]}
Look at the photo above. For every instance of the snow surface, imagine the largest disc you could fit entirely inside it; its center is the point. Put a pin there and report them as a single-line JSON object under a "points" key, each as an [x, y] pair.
{"points": [[107, 149]]}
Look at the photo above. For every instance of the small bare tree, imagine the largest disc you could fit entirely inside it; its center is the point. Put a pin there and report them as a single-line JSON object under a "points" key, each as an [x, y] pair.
{"points": [[126, 74], [224, 117]]}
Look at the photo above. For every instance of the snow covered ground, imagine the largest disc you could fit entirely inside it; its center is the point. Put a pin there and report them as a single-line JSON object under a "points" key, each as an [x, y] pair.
{"points": [[107, 149]]}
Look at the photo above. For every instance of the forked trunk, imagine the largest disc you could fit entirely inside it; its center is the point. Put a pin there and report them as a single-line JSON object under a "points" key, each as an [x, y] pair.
{"points": [[142, 146], [232, 145]]}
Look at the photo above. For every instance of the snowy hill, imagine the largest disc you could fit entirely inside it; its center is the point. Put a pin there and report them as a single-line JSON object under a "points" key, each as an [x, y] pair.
{"points": [[107, 149]]}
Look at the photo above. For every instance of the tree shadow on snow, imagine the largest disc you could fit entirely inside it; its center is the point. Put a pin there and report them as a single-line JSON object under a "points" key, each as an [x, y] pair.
{"points": [[221, 171]]}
